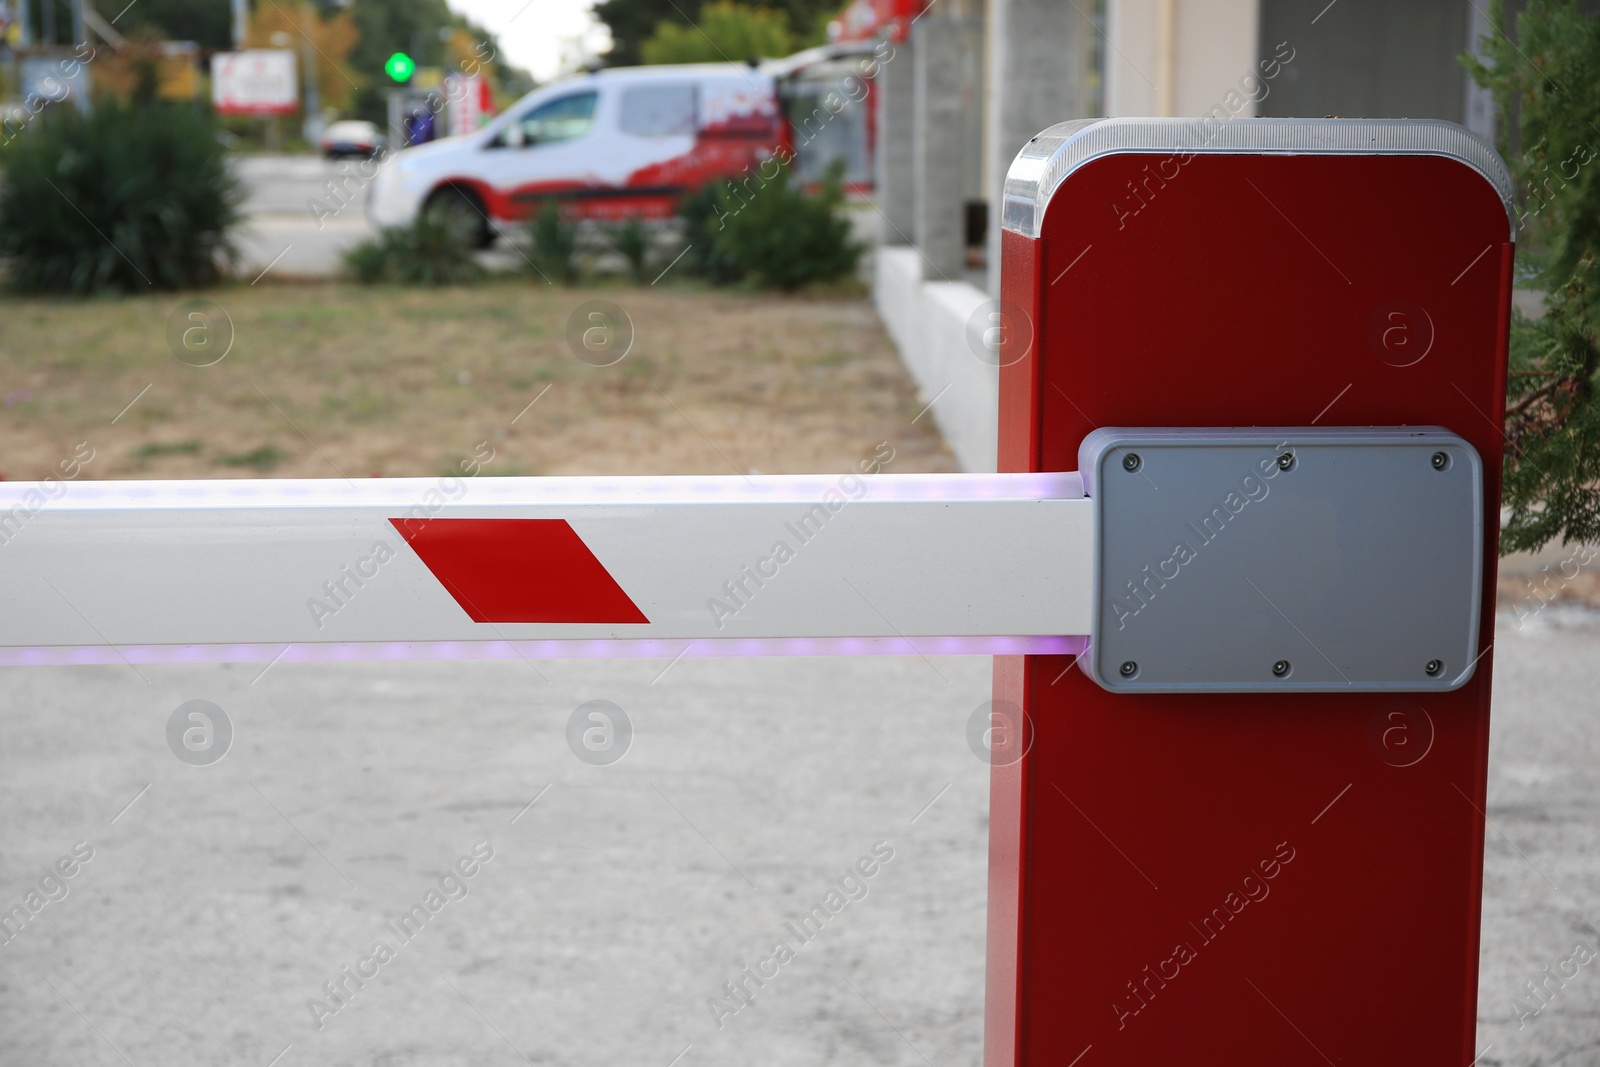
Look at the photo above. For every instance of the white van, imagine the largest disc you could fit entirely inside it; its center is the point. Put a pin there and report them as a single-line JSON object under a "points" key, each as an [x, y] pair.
{"points": [[624, 142]]}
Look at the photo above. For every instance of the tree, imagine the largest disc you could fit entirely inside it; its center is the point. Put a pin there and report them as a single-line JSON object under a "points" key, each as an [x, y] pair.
{"points": [[334, 38], [726, 32], [633, 22], [1546, 86], [206, 22]]}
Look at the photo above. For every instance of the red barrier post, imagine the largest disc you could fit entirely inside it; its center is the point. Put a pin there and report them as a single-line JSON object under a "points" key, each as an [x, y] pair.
{"points": [[1256, 878]]}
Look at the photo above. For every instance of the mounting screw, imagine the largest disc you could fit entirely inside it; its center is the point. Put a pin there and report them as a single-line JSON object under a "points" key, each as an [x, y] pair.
{"points": [[1286, 461], [1440, 461], [1434, 666], [1280, 668], [1129, 668], [1131, 462]]}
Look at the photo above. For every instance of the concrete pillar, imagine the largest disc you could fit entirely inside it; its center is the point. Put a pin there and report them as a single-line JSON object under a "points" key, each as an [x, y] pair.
{"points": [[1479, 105], [894, 177], [1165, 59], [1042, 58], [943, 49]]}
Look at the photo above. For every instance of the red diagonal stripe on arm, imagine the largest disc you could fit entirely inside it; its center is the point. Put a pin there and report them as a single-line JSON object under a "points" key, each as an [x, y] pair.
{"points": [[519, 570]]}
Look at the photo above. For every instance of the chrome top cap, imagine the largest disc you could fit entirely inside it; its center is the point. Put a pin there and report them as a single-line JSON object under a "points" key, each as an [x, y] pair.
{"points": [[1044, 162]]}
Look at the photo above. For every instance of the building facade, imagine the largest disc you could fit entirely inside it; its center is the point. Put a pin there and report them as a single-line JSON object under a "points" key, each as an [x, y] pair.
{"points": [[971, 81]]}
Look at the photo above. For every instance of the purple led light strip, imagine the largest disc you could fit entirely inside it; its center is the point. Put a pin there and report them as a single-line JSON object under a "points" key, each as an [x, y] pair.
{"points": [[93, 655], [399, 492]]}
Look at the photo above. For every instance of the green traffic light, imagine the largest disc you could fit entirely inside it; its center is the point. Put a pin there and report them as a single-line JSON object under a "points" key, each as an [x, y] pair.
{"points": [[400, 67]]}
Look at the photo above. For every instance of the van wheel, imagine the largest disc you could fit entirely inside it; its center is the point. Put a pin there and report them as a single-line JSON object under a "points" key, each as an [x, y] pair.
{"points": [[461, 212]]}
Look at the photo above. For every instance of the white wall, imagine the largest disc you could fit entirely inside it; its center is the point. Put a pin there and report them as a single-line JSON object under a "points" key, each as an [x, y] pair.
{"points": [[928, 322]]}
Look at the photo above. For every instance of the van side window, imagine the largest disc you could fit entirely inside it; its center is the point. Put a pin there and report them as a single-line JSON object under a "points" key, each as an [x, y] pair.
{"points": [[561, 119], [658, 110]]}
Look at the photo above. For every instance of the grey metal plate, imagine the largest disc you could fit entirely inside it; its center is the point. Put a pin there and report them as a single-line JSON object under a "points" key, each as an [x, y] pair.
{"points": [[1356, 569]]}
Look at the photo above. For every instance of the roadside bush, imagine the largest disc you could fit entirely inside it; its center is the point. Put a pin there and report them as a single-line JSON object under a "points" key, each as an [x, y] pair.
{"points": [[631, 239], [782, 237], [428, 252], [124, 198], [700, 212], [555, 245]]}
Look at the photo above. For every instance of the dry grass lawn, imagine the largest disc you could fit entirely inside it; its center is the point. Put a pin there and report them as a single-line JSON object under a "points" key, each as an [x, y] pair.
{"points": [[324, 380], [330, 380]]}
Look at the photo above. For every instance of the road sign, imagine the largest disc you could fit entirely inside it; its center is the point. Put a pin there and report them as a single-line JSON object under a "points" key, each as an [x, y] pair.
{"points": [[1258, 877], [260, 81], [470, 102], [54, 79], [400, 67]]}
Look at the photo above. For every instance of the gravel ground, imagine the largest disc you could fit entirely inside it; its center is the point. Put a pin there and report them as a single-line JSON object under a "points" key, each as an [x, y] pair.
{"points": [[220, 898], [1542, 858], [612, 910]]}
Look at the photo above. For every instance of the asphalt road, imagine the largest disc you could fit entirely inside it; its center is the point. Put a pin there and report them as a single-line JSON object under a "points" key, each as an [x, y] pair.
{"points": [[281, 185], [619, 898], [301, 213]]}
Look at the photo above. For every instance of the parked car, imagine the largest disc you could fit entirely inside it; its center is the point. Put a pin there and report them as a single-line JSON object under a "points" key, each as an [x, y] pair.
{"points": [[625, 142], [351, 138]]}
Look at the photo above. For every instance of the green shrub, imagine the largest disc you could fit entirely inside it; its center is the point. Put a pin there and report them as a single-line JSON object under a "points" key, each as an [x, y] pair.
{"points": [[632, 241], [1548, 117], [703, 259], [780, 236], [555, 245], [124, 198], [427, 252]]}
